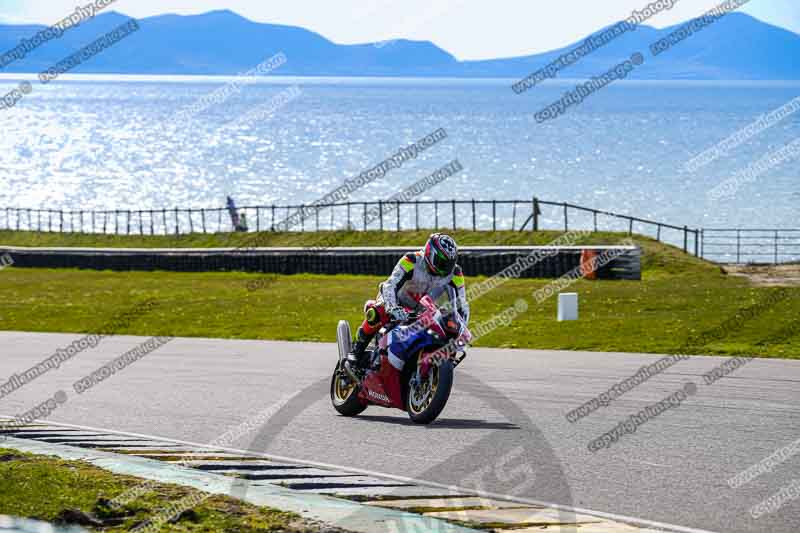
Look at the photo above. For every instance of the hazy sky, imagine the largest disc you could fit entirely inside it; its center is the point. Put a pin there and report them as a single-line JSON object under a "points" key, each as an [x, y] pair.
{"points": [[469, 29]]}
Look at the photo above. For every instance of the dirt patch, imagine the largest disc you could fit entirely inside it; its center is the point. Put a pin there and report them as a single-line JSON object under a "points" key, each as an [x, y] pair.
{"points": [[768, 275]]}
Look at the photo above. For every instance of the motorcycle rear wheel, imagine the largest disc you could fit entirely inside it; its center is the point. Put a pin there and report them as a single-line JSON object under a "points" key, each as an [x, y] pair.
{"points": [[344, 392], [426, 401]]}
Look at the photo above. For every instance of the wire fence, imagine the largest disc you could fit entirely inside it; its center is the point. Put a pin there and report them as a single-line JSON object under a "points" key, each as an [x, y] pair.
{"points": [[723, 245], [495, 215], [738, 246]]}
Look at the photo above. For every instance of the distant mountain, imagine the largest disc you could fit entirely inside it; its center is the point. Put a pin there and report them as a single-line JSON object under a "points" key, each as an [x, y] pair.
{"points": [[737, 47]]}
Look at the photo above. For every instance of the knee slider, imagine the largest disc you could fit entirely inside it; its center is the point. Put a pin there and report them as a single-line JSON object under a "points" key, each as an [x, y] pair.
{"points": [[373, 318]]}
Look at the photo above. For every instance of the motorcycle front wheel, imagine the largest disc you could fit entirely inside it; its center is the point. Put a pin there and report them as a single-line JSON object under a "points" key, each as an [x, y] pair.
{"points": [[427, 399]]}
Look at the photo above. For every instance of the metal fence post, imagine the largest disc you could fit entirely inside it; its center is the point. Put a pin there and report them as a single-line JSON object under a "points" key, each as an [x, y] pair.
{"points": [[536, 211], [454, 215], [61, 220], [703, 243], [349, 225], [141, 223], [630, 227], [177, 223], [365, 216], [776, 247], [595, 221], [658, 233], [436, 214], [697, 243], [380, 212], [203, 219], [685, 238], [738, 246], [398, 215], [416, 214], [494, 215], [514, 216], [474, 225], [566, 218]]}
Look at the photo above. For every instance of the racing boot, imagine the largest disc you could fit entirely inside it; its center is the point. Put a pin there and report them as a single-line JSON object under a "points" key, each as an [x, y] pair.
{"points": [[357, 358]]}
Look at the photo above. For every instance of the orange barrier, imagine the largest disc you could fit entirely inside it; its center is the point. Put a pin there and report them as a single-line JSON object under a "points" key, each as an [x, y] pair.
{"points": [[587, 264]]}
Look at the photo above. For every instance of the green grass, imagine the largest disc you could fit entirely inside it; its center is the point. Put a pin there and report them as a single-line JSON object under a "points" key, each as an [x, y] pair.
{"points": [[50, 489], [679, 298]]}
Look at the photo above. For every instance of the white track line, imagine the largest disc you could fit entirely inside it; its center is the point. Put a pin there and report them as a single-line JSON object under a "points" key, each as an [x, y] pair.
{"points": [[450, 488]]}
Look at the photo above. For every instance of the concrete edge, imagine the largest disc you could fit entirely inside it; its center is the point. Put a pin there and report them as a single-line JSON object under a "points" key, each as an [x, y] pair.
{"points": [[332, 511]]}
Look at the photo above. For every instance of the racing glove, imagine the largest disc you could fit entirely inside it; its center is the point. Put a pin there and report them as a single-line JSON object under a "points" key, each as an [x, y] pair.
{"points": [[398, 314]]}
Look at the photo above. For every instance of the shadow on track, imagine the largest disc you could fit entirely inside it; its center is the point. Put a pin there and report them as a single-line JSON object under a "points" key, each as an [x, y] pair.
{"points": [[441, 423]]}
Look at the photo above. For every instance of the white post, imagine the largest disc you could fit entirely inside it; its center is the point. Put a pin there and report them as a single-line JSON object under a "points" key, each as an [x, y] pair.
{"points": [[567, 306]]}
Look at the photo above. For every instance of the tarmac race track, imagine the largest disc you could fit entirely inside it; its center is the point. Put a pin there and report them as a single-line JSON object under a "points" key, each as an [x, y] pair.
{"points": [[504, 430]]}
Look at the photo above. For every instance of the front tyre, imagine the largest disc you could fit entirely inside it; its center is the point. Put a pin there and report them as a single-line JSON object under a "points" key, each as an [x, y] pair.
{"points": [[426, 400]]}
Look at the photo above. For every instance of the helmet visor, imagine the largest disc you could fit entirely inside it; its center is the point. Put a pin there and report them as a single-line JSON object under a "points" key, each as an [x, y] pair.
{"points": [[442, 265]]}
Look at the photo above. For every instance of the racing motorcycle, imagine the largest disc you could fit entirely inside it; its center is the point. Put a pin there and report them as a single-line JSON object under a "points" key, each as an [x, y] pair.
{"points": [[426, 378]]}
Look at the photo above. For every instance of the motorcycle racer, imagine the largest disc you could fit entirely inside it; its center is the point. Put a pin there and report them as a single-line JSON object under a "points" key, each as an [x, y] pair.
{"points": [[431, 271]]}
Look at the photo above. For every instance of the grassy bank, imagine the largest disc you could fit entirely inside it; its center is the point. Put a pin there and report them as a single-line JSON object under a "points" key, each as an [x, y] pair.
{"points": [[322, 238], [656, 256], [678, 301], [77, 493]]}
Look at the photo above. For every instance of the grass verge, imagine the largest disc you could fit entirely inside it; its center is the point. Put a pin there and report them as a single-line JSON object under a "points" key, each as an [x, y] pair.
{"points": [[679, 300], [78, 493]]}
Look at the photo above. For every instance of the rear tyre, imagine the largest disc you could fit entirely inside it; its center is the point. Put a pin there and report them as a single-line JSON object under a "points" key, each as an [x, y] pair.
{"points": [[344, 391], [426, 400], [344, 394]]}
